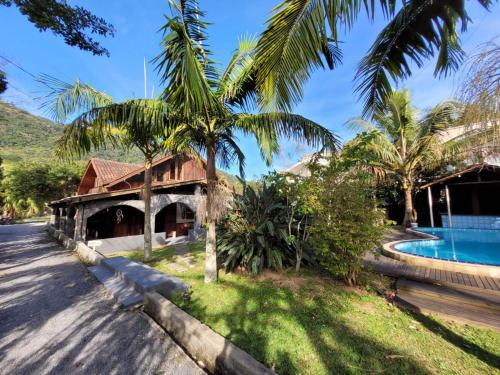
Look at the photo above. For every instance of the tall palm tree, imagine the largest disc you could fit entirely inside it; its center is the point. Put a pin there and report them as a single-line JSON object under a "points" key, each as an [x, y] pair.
{"points": [[400, 144], [219, 105], [141, 123], [303, 35]]}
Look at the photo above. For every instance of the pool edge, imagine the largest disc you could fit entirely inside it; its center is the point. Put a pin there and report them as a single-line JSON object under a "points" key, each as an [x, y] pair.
{"points": [[389, 250]]}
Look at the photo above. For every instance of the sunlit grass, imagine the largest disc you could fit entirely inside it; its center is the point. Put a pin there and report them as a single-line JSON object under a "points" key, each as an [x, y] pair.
{"points": [[307, 324]]}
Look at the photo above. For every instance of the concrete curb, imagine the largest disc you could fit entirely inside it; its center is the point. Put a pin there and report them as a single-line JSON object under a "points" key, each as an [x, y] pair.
{"points": [[85, 253], [218, 354]]}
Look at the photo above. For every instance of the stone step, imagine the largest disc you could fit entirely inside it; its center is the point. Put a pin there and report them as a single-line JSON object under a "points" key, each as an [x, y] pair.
{"points": [[122, 292], [144, 278], [449, 304], [474, 297]]}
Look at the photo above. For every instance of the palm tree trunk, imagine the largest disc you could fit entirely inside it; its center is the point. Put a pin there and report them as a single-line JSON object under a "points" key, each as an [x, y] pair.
{"points": [[407, 189], [211, 273], [148, 246]]}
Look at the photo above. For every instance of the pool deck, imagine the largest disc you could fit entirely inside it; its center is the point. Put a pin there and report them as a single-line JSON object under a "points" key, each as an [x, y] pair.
{"points": [[396, 268], [457, 296]]}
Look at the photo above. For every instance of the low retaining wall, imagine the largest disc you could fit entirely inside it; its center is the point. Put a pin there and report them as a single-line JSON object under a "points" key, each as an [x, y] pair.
{"points": [[60, 236], [218, 354], [85, 253], [88, 255]]}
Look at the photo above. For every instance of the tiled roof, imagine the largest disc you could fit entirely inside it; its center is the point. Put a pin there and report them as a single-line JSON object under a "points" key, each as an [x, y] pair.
{"points": [[109, 170], [138, 169]]}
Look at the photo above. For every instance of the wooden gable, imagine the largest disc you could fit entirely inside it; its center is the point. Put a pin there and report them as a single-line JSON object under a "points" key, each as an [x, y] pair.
{"points": [[171, 169], [88, 180]]}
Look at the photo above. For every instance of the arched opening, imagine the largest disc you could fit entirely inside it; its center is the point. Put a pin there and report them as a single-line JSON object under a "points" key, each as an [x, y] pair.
{"points": [[117, 221], [175, 220]]}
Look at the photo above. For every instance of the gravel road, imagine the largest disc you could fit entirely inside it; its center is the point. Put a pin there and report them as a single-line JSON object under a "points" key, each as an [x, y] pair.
{"points": [[56, 319]]}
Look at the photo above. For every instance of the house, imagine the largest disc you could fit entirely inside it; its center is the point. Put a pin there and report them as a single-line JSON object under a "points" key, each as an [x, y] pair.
{"points": [[108, 204], [301, 168]]}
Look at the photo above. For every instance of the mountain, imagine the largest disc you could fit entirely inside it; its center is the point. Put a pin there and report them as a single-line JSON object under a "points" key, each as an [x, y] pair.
{"points": [[26, 137]]}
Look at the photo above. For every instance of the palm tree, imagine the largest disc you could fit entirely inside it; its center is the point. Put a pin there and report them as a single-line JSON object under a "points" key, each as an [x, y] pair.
{"points": [[399, 144], [219, 105], [303, 35], [140, 123]]}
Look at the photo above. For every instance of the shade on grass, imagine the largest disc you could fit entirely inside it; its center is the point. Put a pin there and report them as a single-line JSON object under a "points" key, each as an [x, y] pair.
{"points": [[310, 325]]}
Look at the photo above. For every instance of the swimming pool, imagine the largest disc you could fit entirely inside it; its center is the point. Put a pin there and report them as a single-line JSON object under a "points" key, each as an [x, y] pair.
{"points": [[478, 246]]}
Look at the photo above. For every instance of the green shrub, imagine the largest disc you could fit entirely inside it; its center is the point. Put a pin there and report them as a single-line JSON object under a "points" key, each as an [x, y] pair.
{"points": [[348, 221], [254, 235]]}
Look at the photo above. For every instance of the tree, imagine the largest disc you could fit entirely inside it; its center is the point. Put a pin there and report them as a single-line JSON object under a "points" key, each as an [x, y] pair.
{"points": [[73, 23], [303, 35], [401, 144], [141, 123], [215, 105], [27, 188]]}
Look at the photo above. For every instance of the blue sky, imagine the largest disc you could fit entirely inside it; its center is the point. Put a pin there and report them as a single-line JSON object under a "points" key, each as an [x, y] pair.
{"points": [[329, 98]]}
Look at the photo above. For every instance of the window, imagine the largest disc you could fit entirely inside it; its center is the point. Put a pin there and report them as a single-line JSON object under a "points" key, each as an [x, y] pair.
{"points": [[171, 165], [184, 214], [160, 171]]}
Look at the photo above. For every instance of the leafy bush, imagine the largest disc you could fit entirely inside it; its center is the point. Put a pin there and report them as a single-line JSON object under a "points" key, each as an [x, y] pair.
{"points": [[348, 221], [254, 234]]}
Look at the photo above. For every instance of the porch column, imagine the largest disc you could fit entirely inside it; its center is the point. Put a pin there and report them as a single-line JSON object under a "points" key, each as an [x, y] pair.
{"points": [[78, 236], [431, 213], [448, 205], [53, 217], [197, 198]]}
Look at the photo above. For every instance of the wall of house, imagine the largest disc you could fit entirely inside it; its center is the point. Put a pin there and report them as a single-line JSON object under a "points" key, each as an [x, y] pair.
{"points": [[87, 209]]}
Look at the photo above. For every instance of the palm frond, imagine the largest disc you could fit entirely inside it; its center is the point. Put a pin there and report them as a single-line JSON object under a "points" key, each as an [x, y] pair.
{"points": [[294, 44], [419, 30], [272, 126], [237, 83], [66, 99], [184, 63], [144, 123], [229, 152]]}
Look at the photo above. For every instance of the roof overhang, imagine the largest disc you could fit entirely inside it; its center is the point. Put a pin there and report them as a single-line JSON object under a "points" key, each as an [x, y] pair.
{"points": [[472, 168], [111, 194]]}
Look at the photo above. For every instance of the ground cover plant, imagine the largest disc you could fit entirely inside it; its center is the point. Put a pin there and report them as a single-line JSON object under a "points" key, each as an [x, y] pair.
{"points": [[308, 324]]}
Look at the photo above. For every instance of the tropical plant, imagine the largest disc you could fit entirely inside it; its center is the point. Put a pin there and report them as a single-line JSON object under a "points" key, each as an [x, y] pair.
{"points": [[219, 105], [303, 35], [480, 93], [140, 123], [254, 234], [347, 219], [400, 144]]}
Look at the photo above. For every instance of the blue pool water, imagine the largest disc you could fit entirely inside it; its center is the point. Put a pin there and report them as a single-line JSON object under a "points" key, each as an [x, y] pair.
{"points": [[462, 245]]}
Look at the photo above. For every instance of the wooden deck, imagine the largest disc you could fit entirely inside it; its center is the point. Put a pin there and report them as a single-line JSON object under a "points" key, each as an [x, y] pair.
{"points": [[456, 296], [395, 268]]}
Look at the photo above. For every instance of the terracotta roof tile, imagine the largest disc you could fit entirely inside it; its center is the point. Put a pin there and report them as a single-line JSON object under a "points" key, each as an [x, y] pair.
{"points": [[109, 170]]}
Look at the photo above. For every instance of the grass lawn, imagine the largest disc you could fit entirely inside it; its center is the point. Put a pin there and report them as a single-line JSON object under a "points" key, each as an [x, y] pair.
{"points": [[307, 324]]}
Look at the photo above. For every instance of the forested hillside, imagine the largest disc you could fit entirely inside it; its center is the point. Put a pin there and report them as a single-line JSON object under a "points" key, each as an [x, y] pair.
{"points": [[26, 137]]}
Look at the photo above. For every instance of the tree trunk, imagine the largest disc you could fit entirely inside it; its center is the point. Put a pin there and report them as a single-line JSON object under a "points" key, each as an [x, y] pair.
{"points": [[407, 189], [211, 272], [298, 256], [148, 246]]}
